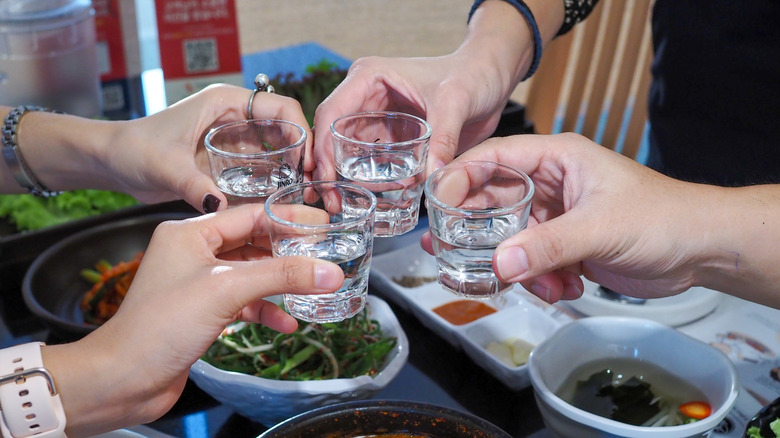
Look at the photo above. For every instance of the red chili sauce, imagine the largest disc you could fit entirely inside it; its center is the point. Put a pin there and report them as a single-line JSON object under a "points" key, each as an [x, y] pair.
{"points": [[463, 311]]}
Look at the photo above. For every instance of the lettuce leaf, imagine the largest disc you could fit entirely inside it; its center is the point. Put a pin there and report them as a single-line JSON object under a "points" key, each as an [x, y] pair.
{"points": [[30, 213]]}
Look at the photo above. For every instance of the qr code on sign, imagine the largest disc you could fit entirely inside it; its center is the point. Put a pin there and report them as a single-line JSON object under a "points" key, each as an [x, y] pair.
{"points": [[201, 55]]}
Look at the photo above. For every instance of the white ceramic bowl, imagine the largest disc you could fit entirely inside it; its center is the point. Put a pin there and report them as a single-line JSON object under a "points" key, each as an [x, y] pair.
{"points": [[589, 339], [270, 401]]}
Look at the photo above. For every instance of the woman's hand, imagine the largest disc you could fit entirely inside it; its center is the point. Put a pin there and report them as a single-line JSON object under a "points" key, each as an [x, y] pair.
{"points": [[461, 95], [161, 157], [438, 90], [196, 277], [156, 158]]}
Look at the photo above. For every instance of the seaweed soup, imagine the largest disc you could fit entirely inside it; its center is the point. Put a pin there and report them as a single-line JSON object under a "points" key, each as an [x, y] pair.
{"points": [[630, 391]]}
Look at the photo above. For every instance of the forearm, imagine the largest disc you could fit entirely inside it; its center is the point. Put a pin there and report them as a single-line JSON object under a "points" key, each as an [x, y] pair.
{"points": [[499, 37], [63, 152], [740, 254]]}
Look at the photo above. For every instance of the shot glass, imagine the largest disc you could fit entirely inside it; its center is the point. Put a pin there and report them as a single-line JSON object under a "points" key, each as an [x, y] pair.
{"points": [[472, 207], [332, 221], [385, 152], [250, 159]]}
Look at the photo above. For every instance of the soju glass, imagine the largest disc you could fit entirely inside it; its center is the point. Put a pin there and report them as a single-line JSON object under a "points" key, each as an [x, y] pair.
{"points": [[332, 221], [472, 207], [250, 159], [384, 152]]}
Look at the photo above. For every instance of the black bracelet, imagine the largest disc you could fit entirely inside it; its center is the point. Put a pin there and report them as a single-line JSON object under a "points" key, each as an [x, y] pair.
{"points": [[575, 11], [529, 17], [13, 155]]}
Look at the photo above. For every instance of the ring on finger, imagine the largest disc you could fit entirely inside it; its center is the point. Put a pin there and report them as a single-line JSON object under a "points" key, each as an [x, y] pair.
{"points": [[262, 83]]}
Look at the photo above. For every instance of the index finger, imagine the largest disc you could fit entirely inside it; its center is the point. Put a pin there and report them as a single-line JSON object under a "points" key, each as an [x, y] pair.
{"points": [[229, 229]]}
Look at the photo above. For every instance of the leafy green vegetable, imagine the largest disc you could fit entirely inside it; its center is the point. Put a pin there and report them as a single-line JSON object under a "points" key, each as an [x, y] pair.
{"points": [[345, 349], [30, 213], [317, 84], [631, 402], [774, 426]]}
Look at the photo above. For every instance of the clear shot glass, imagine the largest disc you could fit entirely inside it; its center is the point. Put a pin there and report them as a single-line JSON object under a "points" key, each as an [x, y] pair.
{"points": [[331, 221], [250, 159], [472, 207], [385, 152]]}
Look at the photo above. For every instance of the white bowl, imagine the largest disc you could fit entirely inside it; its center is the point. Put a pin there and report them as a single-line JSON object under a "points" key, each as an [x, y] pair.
{"points": [[270, 401], [589, 339]]}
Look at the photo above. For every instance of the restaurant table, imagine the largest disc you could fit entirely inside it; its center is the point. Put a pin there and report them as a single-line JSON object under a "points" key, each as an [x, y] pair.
{"points": [[436, 372]]}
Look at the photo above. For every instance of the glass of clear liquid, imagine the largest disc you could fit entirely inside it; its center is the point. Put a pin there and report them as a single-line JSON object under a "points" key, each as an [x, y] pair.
{"points": [[472, 207], [250, 159], [384, 152], [328, 220]]}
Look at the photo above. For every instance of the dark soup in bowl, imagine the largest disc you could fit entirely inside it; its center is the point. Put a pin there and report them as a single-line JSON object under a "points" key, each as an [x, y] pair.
{"points": [[634, 392]]}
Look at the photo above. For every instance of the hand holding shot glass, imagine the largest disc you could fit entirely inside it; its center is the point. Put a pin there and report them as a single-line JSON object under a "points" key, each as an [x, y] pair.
{"points": [[251, 159], [331, 221], [472, 207], [384, 152]]}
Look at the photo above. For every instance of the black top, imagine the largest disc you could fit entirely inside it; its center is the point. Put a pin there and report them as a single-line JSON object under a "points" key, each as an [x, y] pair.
{"points": [[714, 104]]}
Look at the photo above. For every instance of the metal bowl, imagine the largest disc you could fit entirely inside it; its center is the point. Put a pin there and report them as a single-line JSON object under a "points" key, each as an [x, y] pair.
{"points": [[52, 287], [370, 417]]}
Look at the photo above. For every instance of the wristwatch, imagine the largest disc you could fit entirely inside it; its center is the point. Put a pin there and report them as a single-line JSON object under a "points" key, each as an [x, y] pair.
{"points": [[29, 402]]}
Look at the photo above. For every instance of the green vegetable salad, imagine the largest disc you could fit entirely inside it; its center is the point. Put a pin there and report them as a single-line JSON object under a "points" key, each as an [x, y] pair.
{"points": [[345, 349], [755, 432], [30, 213]]}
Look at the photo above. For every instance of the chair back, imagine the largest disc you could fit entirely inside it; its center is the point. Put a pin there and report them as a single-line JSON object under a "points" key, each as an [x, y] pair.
{"points": [[595, 79]]}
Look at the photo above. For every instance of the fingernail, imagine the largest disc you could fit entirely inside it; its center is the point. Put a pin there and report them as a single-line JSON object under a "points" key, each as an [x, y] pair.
{"points": [[325, 278], [541, 291], [572, 291], [210, 203], [511, 263]]}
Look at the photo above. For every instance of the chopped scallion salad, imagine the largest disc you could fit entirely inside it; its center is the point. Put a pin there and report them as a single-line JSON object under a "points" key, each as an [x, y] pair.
{"points": [[346, 349]]}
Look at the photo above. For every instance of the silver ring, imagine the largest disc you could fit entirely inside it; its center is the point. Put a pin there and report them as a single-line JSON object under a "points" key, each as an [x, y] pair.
{"points": [[262, 83]]}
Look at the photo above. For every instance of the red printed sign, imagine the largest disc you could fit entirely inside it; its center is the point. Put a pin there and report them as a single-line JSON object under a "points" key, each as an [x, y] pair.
{"points": [[198, 37], [108, 27]]}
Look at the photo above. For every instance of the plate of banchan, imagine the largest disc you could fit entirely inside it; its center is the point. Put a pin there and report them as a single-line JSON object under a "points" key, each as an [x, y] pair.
{"points": [[407, 276]]}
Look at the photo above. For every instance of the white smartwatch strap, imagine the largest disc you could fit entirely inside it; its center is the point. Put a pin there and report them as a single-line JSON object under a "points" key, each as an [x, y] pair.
{"points": [[29, 402]]}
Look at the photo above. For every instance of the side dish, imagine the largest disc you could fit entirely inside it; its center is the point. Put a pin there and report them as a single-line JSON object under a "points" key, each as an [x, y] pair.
{"points": [[511, 351], [462, 312], [634, 392], [110, 284], [345, 349], [30, 213], [774, 426]]}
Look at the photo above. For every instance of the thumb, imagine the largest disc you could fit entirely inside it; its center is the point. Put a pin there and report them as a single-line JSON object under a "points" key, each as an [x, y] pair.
{"points": [[544, 248], [204, 195]]}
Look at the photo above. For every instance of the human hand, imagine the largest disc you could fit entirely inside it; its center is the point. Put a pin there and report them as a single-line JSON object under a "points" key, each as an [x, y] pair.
{"points": [[161, 157], [442, 90], [594, 213], [196, 277]]}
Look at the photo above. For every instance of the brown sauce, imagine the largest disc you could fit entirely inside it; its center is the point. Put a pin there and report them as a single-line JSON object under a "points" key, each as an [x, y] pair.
{"points": [[463, 311]]}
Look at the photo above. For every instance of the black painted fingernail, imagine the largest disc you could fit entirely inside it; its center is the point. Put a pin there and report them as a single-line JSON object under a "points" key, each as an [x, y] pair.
{"points": [[210, 203]]}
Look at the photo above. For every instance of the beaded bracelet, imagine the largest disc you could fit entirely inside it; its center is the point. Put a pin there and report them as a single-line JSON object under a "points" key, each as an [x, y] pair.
{"points": [[13, 155], [529, 17]]}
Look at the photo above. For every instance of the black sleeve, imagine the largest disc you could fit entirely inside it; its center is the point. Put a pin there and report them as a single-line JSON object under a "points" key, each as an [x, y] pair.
{"points": [[576, 11]]}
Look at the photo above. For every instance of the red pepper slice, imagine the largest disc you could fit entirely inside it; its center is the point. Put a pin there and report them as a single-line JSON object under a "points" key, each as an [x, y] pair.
{"points": [[696, 409]]}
